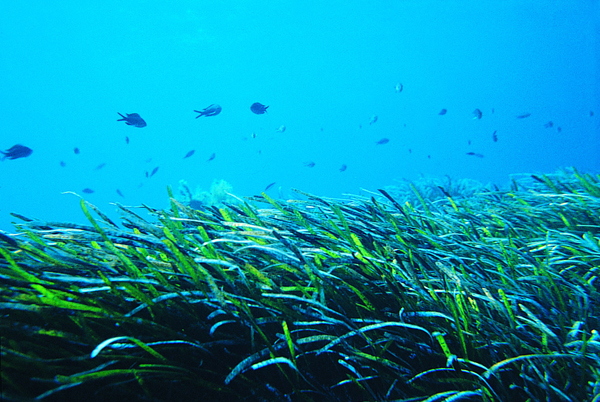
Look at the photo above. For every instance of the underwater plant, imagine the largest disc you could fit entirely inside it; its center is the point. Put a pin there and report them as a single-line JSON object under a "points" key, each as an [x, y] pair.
{"points": [[487, 297]]}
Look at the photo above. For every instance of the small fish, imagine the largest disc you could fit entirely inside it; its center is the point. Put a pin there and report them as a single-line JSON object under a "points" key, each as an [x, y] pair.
{"points": [[76, 151], [100, 166], [212, 156], [548, 125], [409, 150], [469, 142], [428, 156], [443, 112], [495, 136], [281, 129], [373, 120], [127, 140], [309, 164], [16, 152], [63, 164], [399, 87], [270, 185], [120, 193], [343, 168], [477, 114], [558, 129], [154, 171], [475, 154], [591, 113], [189, 154], [211, 110], [253, 135], [382, 141], [258, 108], [132, 119], [524, 115], [147, 175], [87, 190]]}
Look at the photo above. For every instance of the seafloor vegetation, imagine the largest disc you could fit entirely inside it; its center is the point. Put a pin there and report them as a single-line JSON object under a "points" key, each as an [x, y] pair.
{"points": [[492, 296]]}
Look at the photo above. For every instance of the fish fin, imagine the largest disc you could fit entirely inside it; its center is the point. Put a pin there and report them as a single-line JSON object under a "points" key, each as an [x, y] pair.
{"points": [[123, 117]]}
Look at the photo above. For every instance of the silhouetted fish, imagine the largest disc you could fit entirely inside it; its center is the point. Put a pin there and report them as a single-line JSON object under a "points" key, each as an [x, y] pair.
{"points": [[477, 114], [442, 112], [382, 141], [399, 87], [76, 151], [258, 108], [548, 125], [132, 119], [154, 171], [87, 190], [127, 140], [16, 152], [522, 116], [189, 154], [373, 120], [270, 185], [343, 168], [211, 110], [494, 136], [558, 129], [212, 156], [63, 164], [309, 164], [475, 154], [120, 193], [100, 166]]}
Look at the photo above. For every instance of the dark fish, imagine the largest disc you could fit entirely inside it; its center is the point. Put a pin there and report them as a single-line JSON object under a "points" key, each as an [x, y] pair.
{"points": [[558, 129], [147, 173], [343, 167], [522, 116], [373, 120], [87, 190], [442, 112], [211, 157], [428, 156], [76, 150], [382, 141], [309, 164], [120, 193], [469, 142], [270, 185], [211, 110], [16, 152], [475, 154], [127, 140], [189, 154], [591, 113], [100, 166], [154, 171], [548, 125], [495, 136], [477, 114], [63, 164], [258, 108], [132, 119]]}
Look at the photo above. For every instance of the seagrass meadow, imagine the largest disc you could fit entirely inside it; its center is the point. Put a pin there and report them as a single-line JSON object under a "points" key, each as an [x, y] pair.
{"points": [[418, 295]]}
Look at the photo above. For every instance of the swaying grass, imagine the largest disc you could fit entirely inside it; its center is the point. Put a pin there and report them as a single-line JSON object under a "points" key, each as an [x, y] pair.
{"points": [[492, 296]]}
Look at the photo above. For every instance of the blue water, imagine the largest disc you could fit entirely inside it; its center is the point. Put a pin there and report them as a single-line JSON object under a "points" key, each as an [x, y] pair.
{"points": [[325, 68]]}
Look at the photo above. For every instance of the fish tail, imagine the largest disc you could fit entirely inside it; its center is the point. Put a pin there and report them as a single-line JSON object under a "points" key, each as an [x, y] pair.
{"points": [[123, 117]]}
